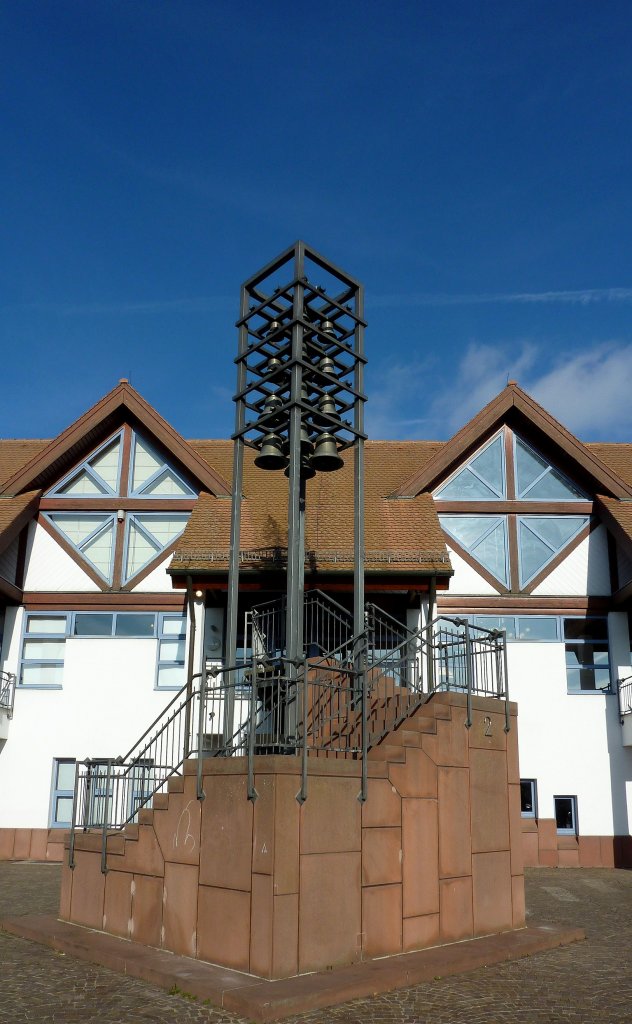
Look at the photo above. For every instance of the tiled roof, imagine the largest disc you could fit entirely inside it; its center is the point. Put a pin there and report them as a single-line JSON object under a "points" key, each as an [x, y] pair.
{"points": [[621, 512], [402, 534], [618, 457], [12, 508], [16, 453]]}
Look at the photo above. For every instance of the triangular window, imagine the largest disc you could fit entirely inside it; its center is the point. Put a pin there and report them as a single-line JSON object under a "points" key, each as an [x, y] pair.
{"points": [[152, 477], [538, 480], [485, 538], [541, 538], [481, 479], [97, 477], [91, 534], [149, 533]]}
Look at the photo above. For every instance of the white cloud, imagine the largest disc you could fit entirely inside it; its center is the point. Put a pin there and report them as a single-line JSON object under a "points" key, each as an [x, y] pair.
{"points": [[588, 391], [579, 297]]}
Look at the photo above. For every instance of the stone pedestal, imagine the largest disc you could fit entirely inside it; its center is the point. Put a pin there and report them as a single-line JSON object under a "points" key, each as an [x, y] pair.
{"points": [[276, 888]]}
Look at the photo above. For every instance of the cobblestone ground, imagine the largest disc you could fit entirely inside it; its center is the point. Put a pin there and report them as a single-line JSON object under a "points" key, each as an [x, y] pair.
{"points": [[587, 982]]}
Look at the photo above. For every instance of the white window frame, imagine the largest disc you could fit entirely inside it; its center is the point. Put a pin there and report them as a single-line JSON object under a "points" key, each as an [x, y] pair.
{"points": [[32, 635]]}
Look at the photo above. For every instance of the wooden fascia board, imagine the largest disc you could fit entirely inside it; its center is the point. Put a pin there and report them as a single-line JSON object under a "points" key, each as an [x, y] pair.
{"points": [[10, 532], [491, 416], [454, 449], [122, 396], [10, 591]]}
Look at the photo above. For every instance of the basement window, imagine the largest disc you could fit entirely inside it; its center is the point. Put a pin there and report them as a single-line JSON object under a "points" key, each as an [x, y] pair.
{"points": [[528, 798], [63, 792], [566, 815]]}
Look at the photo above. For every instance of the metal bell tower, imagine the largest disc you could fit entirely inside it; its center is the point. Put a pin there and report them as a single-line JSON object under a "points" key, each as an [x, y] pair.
{"points": [[300, 404]]}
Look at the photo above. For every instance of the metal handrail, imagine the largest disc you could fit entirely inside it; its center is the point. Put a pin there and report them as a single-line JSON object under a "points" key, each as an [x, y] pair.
{"points": [[624, 694], [7, 693], [328, 705]]}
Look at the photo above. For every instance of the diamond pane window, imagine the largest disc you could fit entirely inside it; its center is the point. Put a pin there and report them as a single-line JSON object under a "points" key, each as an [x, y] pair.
{"points": [[538, 480], [485, 538], [481, 479], [92, 534], [152, 477], [97, 476], [148, 534], [540, 538]]}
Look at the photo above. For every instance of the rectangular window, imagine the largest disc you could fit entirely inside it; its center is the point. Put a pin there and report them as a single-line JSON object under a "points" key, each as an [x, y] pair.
{"points": [[587, 656], [63, 792], [528, 798], [43, 650], [129, 624], [566, 815], [142, 781], [170, 674], [529, 628], [99, 794]]}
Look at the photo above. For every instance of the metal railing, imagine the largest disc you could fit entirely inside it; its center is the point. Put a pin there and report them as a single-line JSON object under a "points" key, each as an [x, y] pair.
{"points": [[624, 691], [327, 626], [7, 693], [337, 704]]}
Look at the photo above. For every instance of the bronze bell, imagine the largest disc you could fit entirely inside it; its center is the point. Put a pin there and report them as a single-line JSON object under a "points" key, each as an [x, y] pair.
{"points": [[307, 445], [272, 405], [307, 470], [326, 458], [273, 364], [327, 406], [327, 365], [271, 455], [327, 327]]}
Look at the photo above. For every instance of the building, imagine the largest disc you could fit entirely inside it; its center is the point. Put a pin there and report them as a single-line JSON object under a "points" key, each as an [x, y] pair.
{"points": [[114, 544]]}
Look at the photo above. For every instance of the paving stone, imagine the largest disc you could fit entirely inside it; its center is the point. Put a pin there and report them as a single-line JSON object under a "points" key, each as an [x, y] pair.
{"points": [[587, 981]]}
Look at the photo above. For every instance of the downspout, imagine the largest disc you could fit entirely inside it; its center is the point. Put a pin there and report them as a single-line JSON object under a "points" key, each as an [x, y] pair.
{"points": [[190, 663]]}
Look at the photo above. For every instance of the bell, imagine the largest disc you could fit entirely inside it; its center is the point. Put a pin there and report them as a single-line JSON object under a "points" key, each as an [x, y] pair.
{"points": [[272, 405], [273, 364], [326, 458], [327, 327], [327, 365], [307, 470], [271, 455], [307, 445], [327, 406]]}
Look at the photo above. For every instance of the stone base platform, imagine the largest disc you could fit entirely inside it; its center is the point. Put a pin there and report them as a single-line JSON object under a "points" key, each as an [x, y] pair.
{"points": [[264, 1001]]}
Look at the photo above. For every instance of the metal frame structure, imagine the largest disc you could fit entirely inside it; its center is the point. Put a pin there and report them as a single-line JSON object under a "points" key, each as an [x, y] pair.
{"points": [[300, 379]]}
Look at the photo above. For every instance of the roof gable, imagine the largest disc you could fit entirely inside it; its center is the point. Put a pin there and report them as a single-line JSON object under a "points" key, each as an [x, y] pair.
{"points": [[515, 407], [89, 430]]}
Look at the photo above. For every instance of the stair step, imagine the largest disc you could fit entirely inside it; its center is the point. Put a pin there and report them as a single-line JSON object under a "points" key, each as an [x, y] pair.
{"points": [[421, 723], [145, 816], [175, 784], [131, 832], [160, 801], [408, 737], [388, 752]]}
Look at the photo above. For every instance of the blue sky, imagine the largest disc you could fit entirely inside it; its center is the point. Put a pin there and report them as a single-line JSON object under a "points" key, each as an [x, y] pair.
{"points": [[469, 162]]}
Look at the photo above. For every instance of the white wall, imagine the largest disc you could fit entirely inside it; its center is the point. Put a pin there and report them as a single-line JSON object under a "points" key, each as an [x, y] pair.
{"points": [[570, 743], [466, 580], [584, 570], [49, 568]]}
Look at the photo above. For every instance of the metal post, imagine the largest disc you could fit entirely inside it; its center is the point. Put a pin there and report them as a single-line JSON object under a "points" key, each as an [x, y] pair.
{"points": [[296, 507], [71, 847], [187, 715], [507, 716], [252, 730], [104, 833], [301, 796], [200, 731], [469, 668], [235, 521], [365, 732]]}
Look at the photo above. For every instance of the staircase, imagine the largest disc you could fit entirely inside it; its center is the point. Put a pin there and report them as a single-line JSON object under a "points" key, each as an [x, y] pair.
{"points": [[362, 699]]}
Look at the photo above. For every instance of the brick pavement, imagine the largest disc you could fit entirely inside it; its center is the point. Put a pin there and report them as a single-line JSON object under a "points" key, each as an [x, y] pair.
{"points": [[582, 983]]}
